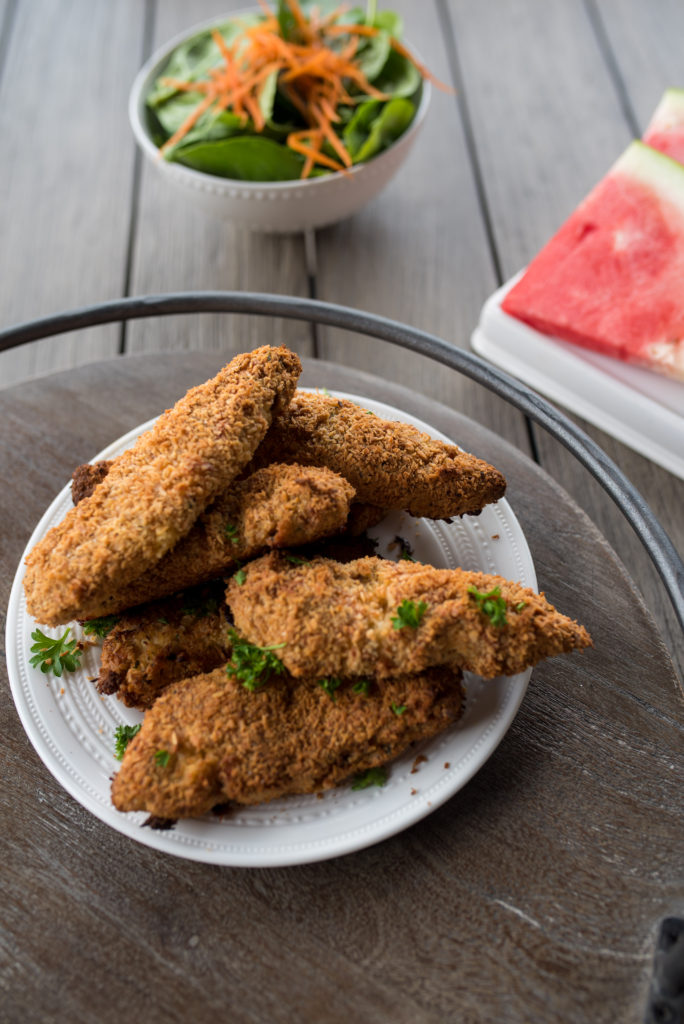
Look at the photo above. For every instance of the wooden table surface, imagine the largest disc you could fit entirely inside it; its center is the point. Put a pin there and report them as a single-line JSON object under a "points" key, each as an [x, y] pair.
{"points": [[549, 92]]}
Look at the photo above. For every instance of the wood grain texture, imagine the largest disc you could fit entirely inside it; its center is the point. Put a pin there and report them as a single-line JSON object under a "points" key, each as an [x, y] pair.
{"points": [[418, 253], [179, 247], [532, 895], [541, 150], [645, 42], [66, 165]]}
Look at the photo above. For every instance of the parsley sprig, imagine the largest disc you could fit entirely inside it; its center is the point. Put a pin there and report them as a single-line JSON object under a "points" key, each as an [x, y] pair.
{"points": [[252, 665], [398, 709], [362, 686], [232, 533], [162, 758], [373, 777], [491, 604], [123, 734], [330, 684], [405, 549], [102, 626], [409, 614], [55, 654]]}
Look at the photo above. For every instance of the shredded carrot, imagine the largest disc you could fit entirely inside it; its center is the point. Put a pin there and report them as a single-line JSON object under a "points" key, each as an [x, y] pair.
{"points": [[312, 75]]}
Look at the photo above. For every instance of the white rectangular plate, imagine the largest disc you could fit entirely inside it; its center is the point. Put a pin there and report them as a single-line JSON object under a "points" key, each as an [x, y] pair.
{"points": [[643, 410]]}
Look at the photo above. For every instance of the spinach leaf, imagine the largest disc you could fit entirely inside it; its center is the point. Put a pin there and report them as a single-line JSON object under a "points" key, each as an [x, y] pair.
{"points": [[356, 132], [392, 23], [399, 77], [193, 58], [287, 22], [392, 121], [244, 157], [268, 94], [373, 55]]}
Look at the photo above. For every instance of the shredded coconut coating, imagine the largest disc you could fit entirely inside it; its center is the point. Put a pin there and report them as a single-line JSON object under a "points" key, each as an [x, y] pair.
{"points": [[391, 465], [154, 492], [337, 619], [226, 743], [275, 507]]}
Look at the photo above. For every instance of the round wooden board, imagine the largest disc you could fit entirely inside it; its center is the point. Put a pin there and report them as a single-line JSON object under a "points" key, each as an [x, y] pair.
{"points": [[534, 894]]}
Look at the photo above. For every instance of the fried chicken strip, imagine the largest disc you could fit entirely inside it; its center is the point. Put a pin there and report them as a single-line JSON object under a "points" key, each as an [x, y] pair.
{"points": [[159, 643], [155, 491], [279, 506], [346, 620], [391, 465], [226, 743]]}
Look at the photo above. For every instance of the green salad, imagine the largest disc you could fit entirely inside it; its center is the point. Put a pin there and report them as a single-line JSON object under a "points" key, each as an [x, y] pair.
{"points": [[300, 92]]}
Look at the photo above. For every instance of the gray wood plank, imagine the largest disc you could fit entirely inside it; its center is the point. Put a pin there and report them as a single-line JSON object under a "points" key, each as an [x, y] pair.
{"points": [[66, 168], [532, 895], [180, 247], [645, 40], [543, 142], [418, 253]]}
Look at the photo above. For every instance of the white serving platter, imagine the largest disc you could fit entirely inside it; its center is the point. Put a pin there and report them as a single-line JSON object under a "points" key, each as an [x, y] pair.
{"points": [[644, 410], [72, 727]]}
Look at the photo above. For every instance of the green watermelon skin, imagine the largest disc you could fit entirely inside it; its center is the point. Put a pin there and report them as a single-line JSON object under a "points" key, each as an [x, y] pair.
{"points": [[666, 128], [612, 278]]}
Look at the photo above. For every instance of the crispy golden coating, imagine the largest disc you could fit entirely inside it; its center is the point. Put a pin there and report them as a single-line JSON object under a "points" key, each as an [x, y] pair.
{"points": [[154, 492], [391, 465], [226, 743], [278, 506], [337, 619], [159, 643]]}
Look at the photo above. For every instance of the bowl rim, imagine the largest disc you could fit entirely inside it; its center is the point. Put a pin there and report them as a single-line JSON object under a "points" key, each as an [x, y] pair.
{"points": [[151, 67]]}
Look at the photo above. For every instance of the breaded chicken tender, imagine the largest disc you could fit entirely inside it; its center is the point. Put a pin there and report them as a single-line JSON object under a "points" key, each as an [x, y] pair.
{"points": [[391, 465], [155, 491], [159, 643], [278, 506], [384, 618], [225, 743]]}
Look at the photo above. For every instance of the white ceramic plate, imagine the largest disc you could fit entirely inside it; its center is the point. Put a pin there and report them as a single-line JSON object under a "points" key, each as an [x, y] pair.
{"points": [[72, 727], [644, 410]]}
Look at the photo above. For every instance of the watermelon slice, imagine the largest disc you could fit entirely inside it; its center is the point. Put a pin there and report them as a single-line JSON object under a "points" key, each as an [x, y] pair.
{"points": [[612, 278], [666, 128]]}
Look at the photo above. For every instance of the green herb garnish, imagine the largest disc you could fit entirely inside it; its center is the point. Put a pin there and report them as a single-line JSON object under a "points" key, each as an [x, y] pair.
{"points": [[405, 550], [162, 621], [373, 777], [520, 605], [296, 560], [252, 665], [362, 686], [240, 577], [102, 626], [398, 709], [330, 684], [232, 533], [55, 655], [162, 758], [491, 604], [123, 734], [409, 614]]}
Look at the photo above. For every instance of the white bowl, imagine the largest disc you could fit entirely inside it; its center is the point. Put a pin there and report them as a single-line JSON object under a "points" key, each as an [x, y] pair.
{"points": [[274, 206]]}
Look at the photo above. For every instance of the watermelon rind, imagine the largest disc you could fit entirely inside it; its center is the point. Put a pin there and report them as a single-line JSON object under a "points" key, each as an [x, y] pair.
{"points": [[669, 113], [656, 170]]}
